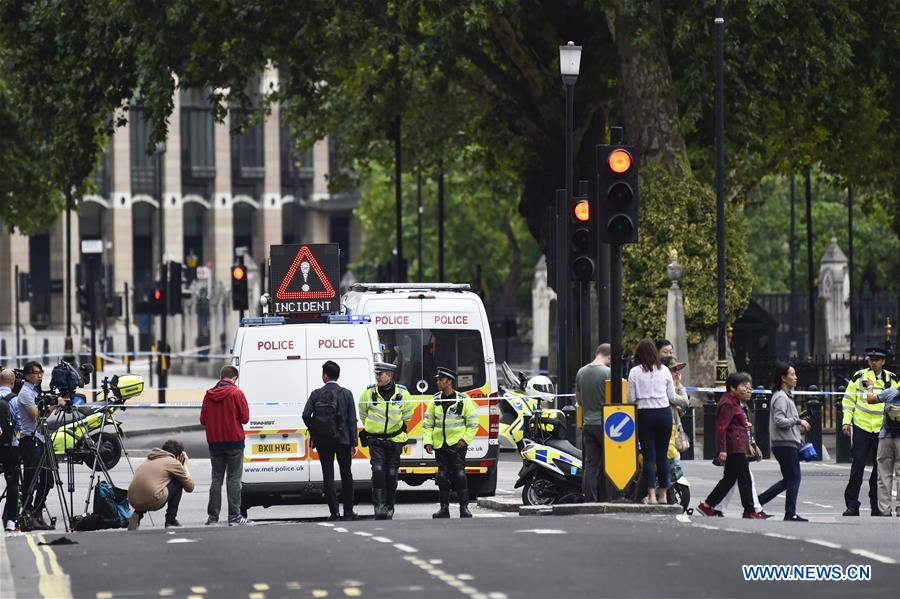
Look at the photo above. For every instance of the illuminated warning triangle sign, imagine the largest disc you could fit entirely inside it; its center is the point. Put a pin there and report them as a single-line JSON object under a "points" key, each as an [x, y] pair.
{"points": [[309, 272]]}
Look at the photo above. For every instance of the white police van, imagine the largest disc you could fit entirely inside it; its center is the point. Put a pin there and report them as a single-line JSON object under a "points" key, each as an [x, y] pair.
{"points": [[425, 325], [280, 364]]}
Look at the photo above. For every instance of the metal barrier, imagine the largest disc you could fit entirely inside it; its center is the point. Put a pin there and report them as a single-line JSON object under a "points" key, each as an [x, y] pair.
{"points": [[761, 411], [814, 435]]}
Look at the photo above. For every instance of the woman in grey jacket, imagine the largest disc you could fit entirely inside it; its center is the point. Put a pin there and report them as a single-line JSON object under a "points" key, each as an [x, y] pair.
{"points": [[784, 434]]}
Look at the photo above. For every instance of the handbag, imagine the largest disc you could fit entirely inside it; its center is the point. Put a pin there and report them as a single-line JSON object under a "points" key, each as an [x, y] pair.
{"points": [[754, 453], [682, 441]]}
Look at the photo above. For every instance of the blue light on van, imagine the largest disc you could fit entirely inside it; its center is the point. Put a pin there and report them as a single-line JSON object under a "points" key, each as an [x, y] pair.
{"points": [[250, 321], [349, 318]]}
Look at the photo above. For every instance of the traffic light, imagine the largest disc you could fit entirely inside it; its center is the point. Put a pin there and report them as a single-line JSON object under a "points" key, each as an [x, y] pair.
{"points": [[581, 236], [174, 283], [83, 300], [239, 299], [617, 189], [157, 299]]}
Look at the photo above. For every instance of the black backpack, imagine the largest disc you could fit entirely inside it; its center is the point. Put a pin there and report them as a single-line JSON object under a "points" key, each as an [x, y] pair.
{"points": [[327, 420], [7, 422]]}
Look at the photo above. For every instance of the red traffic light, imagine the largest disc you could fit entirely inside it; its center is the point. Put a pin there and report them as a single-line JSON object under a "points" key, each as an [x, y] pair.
{"points": [[619, 161], [238, 273], [582, 211], [157, 294]]}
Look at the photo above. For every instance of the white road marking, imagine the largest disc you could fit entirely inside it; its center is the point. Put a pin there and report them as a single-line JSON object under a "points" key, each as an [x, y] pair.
{"points": [[491, 515], [544, 531], [683, 518], [747, 532], [363, 533], [340, 529], [326, 524], [828, 544], [436, 561], [180, 540], [822, 505], [497, 595], [406, 548], [465, 576], [778, 535], [875, 556], [382, 539]]}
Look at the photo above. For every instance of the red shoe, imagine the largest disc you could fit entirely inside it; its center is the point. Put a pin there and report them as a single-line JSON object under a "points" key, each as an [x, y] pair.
{"points": [[754, 516], [706, 510]]}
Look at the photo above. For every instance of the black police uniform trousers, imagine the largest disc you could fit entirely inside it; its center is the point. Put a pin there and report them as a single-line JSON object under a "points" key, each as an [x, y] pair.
{"points": [[31, 449], [864, 448], [451, 463], [344, 454], [384, 456], [9, 461]]}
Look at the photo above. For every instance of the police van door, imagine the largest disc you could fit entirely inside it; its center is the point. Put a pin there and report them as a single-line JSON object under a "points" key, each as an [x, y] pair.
{"points": [[274, 380], [343, 345], [452, 337]]}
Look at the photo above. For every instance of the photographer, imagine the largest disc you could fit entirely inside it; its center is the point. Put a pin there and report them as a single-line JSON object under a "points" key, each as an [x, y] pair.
{"points": [[32, 443], [9, 450]]}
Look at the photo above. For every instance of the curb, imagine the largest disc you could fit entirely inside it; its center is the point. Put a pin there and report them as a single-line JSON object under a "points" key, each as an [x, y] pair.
{"points": [[185, 428], [499, 505], [535, 510], [615, 508]]}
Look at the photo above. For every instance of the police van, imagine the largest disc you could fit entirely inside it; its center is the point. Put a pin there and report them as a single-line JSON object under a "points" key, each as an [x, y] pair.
{"points": [[280, 364], [425, 325]]}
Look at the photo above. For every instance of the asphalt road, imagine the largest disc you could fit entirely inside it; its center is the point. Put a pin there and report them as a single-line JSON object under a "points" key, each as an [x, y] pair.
{"points": [[292, 551]]}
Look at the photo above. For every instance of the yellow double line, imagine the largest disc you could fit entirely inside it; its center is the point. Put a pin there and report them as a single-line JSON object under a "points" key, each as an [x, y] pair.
{"points": [[53, 582]]}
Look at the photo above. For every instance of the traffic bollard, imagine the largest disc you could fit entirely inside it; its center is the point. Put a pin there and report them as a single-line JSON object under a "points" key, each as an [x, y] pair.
{"points": [[814, 435], [842, 442], [761, 422], [687, 423], [709, 427]]}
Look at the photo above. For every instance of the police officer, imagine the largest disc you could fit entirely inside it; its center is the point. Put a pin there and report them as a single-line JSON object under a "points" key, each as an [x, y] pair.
{"points": [[863, 414], [449, 427], [385, 410]]}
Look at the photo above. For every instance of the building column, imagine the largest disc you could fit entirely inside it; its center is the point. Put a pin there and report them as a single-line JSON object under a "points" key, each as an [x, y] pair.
{"points": [[321, 164], [172, 210], [13, 251], [218, 242], [58, 272], [118, 225], [268, 221]]}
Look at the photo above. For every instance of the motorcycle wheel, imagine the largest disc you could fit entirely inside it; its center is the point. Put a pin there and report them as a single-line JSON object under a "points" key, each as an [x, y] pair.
{"points": [[109, 448], [539, 491]]}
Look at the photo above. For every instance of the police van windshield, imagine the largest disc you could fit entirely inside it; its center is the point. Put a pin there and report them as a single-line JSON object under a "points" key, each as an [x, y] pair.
{"points": [[418, 352]]}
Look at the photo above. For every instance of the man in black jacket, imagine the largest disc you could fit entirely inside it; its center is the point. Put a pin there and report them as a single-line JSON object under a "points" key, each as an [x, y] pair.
{"points": [[330, 418]]}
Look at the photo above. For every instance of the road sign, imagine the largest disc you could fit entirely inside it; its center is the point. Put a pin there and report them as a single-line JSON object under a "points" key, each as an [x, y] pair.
{"points": [[620, 443], [305, 279]]}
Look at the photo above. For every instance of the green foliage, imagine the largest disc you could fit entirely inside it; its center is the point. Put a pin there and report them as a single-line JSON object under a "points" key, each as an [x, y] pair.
{"points": [[876, 250], [680, 214]]}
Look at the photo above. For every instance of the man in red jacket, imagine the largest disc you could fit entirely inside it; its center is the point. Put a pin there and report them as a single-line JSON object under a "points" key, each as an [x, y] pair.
{"points": [[223, 414]]}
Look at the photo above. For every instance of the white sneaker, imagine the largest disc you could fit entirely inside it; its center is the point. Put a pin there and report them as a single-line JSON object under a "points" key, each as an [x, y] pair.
{"points": [[10, 526], [242, 521]]}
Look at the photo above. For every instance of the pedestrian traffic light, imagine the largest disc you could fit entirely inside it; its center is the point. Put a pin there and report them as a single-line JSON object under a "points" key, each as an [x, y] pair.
{"points": [[157, 299], [239, 292], [617, 189], [581, 235], [174, 283]]}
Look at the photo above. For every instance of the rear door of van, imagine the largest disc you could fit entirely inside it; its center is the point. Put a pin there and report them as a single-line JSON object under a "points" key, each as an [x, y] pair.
{"points": [[353, 348], [274, 377]]}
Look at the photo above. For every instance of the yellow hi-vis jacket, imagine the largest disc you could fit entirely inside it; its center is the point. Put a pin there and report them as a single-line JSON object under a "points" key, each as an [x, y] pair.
{"points": [[382, 417], [857, 410], [449, 420]]}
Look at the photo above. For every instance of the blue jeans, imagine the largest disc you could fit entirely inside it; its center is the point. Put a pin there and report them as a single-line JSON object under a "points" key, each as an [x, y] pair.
{"points": [[789, 462], [654, 432]]}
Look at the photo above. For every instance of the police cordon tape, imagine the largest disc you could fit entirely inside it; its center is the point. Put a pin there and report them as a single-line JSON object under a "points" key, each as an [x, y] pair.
{"points": [[106, 355]]}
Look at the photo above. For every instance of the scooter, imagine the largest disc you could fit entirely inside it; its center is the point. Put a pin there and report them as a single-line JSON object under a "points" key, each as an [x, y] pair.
{"points": [[552, 467], [520, 397], [89, 431]]}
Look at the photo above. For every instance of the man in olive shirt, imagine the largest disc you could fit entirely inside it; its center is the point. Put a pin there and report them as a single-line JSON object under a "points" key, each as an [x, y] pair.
{"points": [[590, 393]]}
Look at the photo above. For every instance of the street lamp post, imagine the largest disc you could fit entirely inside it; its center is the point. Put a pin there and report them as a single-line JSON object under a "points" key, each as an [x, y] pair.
{"points": [[569, 65], [163, 278], [69, 351]]}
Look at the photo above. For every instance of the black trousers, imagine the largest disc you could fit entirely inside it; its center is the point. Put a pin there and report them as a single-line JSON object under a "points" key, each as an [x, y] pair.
{"points": [[864, 449], [384, 456], [9, 461], [174, 500], [592, 439], [344, 455], [736, 469], [451, 463], [31, 449]]}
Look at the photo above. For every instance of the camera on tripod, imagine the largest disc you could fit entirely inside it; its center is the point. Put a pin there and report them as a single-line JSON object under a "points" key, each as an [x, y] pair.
{"points": [[65, 379]]}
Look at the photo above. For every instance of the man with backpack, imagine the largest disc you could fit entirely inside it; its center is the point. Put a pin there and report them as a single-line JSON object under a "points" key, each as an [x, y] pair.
{"points": [[385, 410], [330, 418], [9, 450], [888, 460], [223, 414]]}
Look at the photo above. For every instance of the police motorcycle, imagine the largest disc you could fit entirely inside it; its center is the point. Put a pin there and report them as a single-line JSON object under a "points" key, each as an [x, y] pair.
{"points": [[89, 431], [551, 466], [520, 396]]}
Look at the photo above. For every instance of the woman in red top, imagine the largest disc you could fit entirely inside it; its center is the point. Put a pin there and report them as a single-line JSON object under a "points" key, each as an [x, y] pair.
{"points": [[732, 444]]}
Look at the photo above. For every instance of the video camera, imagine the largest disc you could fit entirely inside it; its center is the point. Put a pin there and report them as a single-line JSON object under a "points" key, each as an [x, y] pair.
{"points": [[64, 380]]}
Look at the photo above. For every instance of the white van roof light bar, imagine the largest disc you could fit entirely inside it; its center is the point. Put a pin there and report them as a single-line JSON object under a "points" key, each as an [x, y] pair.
{"points": [[255, 321], [410, 287]]}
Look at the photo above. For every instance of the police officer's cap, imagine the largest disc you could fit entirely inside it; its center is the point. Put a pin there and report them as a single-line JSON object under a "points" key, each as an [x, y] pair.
{"points": [[384, 367], [445, 372], [876, 353]]}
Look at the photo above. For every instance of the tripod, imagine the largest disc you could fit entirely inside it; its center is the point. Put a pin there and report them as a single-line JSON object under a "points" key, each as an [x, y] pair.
{"points": [[46, 465]]}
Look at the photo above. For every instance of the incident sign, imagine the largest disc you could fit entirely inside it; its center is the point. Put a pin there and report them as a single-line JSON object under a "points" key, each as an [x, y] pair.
{"points": [[305, 278]]}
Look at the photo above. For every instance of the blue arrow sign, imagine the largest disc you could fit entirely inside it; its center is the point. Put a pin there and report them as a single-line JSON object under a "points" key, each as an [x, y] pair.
{"points": [[619, 427]]}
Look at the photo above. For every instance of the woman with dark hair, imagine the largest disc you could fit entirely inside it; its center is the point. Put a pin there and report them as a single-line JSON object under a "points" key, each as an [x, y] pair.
{"points": [[784, 433], [732, 443], [651, 388]]}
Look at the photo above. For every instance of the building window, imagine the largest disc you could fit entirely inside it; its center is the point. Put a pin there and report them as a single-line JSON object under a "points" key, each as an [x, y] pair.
{"points": [[39, 268], [296, 168], [144, 179], [198, 147], [247, 150]]}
